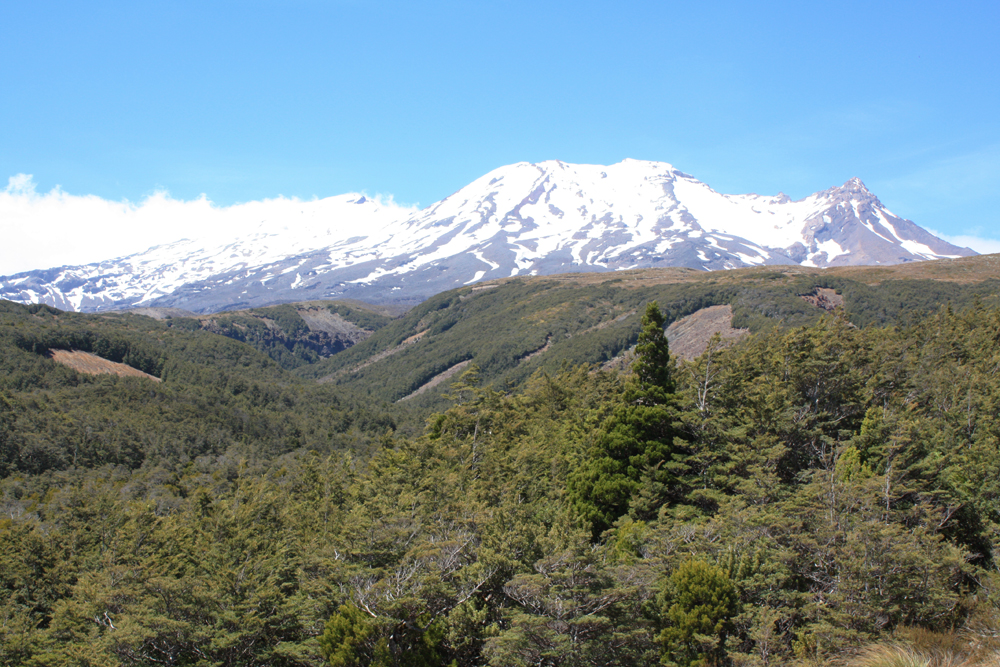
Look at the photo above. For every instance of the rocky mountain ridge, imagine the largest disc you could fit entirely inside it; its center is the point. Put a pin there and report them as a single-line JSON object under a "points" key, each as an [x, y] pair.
{"points": [[522, 219]]}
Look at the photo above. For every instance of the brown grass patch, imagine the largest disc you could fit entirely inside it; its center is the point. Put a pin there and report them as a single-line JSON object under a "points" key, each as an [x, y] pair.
{"points": [[961, 270], [919, 647], [91, 364], [689, 336]]}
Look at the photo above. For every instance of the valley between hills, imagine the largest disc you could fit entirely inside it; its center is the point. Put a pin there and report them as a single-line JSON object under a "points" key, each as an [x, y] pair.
{"points": [[764, 466]]}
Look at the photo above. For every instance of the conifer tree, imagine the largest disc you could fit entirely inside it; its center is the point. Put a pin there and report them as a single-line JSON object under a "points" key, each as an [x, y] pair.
{"points": [[696, 604], [351, 639], [635, 448]]}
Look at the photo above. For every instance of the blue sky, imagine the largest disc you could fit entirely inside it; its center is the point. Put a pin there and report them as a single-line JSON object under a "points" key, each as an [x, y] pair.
{"points": [[248, 100]]}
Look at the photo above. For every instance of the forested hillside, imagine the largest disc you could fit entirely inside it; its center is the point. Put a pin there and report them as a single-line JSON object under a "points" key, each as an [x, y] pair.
{"points": [[294, 334], [824, 490], [515, 327], [216, 396]]}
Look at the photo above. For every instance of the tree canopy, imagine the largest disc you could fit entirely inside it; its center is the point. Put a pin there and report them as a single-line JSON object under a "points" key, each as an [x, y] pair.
{"points": [[797, 496]]}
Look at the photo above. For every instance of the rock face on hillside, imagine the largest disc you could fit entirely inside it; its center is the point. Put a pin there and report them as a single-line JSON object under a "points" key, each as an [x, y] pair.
{"points": [[689, 336], [523, 219], [291, 334]]}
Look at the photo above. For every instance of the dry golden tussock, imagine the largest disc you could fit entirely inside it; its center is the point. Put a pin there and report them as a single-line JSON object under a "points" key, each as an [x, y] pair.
{"points": [[896, 655], [91, 364]]}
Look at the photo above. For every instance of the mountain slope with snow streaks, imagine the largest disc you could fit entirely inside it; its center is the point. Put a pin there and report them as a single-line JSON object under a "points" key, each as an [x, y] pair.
{"points": [[522, 219]]}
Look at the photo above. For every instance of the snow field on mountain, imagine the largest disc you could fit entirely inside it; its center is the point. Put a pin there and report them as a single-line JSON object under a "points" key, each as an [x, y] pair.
{"points": [[519, 219]]}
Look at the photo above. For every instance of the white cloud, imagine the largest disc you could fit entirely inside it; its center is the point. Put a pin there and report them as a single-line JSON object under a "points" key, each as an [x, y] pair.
{"points": [[981, 244], [44, 230]]}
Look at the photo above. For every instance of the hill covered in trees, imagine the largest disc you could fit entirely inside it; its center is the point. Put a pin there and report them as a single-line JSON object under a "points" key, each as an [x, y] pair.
{"points": [[515, 327], [823, 487]]}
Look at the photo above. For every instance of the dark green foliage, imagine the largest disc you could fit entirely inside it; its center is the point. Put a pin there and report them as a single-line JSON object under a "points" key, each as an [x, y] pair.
{"points": [[351, 640], [652, 367], [501, 330], [360, 314], [9, 449], [277, 331], [139, 354], [217, 395], [762, 306], [814, 487], [697, 605], [281, 333], [285, 317], [908, 301], [571, 611], [635, 446]]}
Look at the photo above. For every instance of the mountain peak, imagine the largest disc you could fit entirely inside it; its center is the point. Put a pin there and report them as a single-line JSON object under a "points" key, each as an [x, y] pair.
{"points": [[856, 185], [626, 165], [653, 164], [521, 219]]}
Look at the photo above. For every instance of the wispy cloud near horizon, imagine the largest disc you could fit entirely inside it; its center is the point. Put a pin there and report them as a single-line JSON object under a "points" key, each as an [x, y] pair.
{"points": [[55, 228], [981, 244]]}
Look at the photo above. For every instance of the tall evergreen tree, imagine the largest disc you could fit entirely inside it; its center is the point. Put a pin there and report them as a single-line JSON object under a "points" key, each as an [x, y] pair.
{"points": [[652, 366], [634, 461]]}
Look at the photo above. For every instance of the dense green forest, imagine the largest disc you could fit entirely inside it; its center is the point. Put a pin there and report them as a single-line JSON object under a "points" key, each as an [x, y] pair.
{"points": [[827, 489]]}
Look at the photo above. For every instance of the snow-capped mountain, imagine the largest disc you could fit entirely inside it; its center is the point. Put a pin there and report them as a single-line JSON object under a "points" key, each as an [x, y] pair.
{"points": [[521, 219]]}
